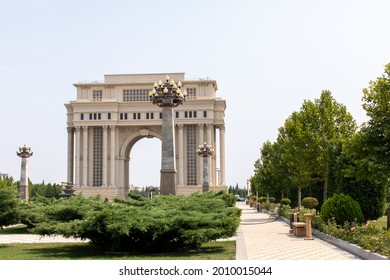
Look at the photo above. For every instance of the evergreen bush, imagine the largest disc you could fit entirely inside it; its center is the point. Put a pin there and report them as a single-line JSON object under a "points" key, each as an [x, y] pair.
{"points": [[9, 201], [164, 223], [342, 208], [285, 201], [310, 202]]}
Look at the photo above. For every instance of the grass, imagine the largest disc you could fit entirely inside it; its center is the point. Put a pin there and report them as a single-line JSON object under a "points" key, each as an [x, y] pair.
{"points": [[221, 250]]}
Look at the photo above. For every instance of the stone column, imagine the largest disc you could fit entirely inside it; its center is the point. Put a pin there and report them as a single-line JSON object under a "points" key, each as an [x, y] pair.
{"points": [[112, 155], [181, 155], [201, 141], [222, 154], [105, 128], [78, 151], [85, 156], [70, 154], [210, 142], [168, 160], [24, 153]]}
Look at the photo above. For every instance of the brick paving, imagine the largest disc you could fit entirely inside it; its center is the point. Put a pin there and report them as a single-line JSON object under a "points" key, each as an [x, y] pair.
{"points": [[261, 238]]}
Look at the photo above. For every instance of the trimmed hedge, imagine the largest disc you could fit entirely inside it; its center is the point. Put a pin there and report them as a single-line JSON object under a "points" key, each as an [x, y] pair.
{"points": [[310, 202]]}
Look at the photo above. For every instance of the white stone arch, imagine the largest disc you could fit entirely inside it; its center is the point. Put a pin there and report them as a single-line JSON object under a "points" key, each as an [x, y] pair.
{"points": [[124, 154]]}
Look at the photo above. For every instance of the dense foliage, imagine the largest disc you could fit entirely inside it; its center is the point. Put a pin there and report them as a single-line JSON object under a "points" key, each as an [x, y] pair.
{"points": [[319, 152], [43, 189], [285, 201], [8, 202], [310, 202], [368, 236], [162, 224], [341, 208]]}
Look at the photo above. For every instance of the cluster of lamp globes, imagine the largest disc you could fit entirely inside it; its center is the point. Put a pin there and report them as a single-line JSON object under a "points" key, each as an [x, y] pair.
{"points": [[205, 151], [24, 151], [168, 88]]}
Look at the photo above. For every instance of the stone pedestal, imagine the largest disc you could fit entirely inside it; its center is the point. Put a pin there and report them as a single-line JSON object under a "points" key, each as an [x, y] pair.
{"points": [[308, 226], [168, 182]]}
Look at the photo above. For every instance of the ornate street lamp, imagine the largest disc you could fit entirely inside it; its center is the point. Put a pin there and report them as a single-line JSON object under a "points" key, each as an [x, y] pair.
{"points": [[24, 152], [167, 94], [205, 151]]}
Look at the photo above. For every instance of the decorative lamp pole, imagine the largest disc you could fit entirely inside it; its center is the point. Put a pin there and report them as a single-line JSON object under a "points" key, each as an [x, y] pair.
{"points": [[24, 152], [205, 151], [167, 94]]}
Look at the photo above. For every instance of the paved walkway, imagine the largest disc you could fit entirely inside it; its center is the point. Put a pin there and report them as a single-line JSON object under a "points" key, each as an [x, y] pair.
{"points": [[33, 238], [261, 238]]}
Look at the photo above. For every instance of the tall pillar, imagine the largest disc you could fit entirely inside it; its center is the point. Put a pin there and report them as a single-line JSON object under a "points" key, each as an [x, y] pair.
{"points": [[24, 153], [85, 156], [201, 142], [181, 155], [70, 154], [78, 151], [222, 154], [210, 142], [168, 160], [104, 181], [112, 155]]}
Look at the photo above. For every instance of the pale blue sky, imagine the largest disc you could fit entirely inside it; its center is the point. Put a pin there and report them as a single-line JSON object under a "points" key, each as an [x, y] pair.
{"points": [[266, 56]]}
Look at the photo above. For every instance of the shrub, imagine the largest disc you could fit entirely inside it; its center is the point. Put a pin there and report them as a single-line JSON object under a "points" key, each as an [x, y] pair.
{"points": [[310, 202], [272, 199], [8, 203], [164, 223], [342, 208], [262, 199], [285, 201]]}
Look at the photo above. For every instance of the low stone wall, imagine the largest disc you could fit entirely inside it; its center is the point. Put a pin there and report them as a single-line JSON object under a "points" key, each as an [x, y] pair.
{"points": [[105, 192]]}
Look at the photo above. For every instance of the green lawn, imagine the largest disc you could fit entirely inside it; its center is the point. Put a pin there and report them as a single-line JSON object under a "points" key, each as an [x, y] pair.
{"points": [[224, 250]]}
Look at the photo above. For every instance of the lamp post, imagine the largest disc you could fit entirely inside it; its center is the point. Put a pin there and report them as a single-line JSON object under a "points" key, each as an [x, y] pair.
{"points": [[24, 152], [205, 151], [168, 95]]}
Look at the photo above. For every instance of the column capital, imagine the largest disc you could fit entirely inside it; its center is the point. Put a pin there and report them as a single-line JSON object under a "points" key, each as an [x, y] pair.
{"points": [[105, 127], [222, 127], [200, 124], [180, 125], [70, 129]]}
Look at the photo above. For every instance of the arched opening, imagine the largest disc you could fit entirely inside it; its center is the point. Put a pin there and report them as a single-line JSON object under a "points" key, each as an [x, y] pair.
{"points": [[145, 164]]}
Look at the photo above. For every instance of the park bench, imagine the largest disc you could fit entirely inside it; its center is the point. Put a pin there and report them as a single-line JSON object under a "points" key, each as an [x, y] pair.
{"points": [[274, 214]]}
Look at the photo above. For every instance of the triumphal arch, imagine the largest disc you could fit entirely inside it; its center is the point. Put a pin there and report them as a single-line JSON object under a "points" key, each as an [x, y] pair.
{"points": [[109, 117]]}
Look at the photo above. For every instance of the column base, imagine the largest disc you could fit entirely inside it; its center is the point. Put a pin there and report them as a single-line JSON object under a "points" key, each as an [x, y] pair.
{"points": [[168, 182]]}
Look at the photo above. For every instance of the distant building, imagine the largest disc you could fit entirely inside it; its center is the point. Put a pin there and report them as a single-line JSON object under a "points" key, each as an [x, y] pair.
{"points": [[108, 118], [3, 176]]}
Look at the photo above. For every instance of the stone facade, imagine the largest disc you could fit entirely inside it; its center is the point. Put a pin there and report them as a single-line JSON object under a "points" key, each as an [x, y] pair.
{"points": [[109, 117]]}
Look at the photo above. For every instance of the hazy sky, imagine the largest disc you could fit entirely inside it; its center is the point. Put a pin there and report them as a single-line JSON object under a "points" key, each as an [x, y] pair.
{"points": [[266, 56]]}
